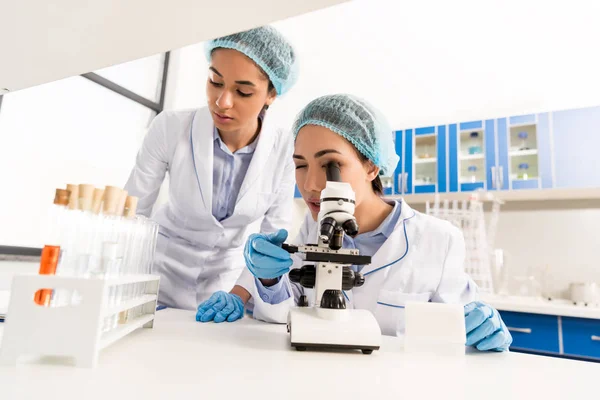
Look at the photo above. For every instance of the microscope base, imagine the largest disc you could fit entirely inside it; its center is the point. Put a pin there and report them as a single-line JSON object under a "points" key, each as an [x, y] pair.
{"points": [[313, 327]]}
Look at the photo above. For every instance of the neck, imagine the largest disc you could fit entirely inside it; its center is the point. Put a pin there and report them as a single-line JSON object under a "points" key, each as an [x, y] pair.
{"points": [[371, 212], [235, 140]]}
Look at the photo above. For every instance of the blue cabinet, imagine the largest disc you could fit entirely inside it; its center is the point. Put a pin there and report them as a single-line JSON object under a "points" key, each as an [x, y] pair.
{"points": [[576, 135], [472, 154], [425, 153], [581, 337], [533, 331], [399, 176], [524, 152], [535, 151]]}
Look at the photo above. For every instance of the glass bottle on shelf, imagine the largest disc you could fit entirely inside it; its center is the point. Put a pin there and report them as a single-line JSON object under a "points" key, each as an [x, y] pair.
{"points": [[472, 173], [523, 137], [474, 146], [523, 167]]}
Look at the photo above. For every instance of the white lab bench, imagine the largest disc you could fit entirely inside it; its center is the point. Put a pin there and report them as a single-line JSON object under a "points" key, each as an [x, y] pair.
{"points": [[181, 358], [533, 305]]}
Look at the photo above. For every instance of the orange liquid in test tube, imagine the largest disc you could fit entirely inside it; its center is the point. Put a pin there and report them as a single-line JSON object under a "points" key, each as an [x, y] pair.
{"points": [[48, 264]]}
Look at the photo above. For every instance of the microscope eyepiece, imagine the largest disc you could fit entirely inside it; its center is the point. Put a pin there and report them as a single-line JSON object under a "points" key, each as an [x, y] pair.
{"points": [[350, 227], [327, 228]]}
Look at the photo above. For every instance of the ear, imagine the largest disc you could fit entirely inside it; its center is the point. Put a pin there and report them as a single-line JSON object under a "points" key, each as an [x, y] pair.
{"points": [[271, 97], [372, 171]]}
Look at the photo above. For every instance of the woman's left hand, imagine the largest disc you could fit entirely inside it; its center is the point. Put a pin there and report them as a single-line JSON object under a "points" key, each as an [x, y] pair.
{"points": [[485, 328]]}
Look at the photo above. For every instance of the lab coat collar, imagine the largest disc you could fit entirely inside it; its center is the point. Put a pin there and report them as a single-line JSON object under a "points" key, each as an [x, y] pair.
{"points": [[202, 150], [397, 245], [264, 147]]}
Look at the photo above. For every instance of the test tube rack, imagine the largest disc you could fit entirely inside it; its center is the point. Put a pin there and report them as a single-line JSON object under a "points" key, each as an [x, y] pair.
{"points": [[72, 330]]}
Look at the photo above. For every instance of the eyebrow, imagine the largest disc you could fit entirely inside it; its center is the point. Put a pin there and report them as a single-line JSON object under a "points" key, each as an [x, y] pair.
{"points": [[215, 71], [248, 83], [317, 154]]}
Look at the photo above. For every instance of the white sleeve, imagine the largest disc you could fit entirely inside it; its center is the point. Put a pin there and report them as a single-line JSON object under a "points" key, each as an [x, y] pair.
{"points": [[279, 214], [456, 286], [276, 313], [151, 165]]}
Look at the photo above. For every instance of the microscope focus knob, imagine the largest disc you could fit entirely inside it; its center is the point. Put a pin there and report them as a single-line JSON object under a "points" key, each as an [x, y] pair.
{"points": [[351, 279], [359, 279], [305, 276], [333, 299]]}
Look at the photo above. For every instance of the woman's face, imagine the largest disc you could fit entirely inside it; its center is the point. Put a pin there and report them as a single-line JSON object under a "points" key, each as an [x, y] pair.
{"points": [[236, 89], [317, 146]]}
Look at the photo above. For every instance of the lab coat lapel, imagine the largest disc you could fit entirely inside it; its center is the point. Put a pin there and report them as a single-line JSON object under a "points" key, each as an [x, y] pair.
{"points": [[396, 246], [201, 140], [266, 141]]}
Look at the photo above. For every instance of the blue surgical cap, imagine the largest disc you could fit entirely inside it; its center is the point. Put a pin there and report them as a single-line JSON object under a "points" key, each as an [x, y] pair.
{"points": [[356, 121], [268, 49]]}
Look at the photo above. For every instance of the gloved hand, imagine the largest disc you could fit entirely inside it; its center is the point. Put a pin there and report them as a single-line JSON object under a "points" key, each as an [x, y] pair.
{"points": [[221, 307], [264, 256], [485, 328]]}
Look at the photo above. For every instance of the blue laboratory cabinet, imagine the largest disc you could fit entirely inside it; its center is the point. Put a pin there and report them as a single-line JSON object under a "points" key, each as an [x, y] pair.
{"points": [[536, 151]]}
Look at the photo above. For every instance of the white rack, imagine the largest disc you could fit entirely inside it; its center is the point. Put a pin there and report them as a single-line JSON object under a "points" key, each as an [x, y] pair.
{"points": [[74, 330], [479, 236]]}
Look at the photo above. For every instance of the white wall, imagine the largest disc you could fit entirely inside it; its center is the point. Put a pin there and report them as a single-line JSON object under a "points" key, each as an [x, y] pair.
{"points": [[69, 131], [562, 242], [434, 61]]}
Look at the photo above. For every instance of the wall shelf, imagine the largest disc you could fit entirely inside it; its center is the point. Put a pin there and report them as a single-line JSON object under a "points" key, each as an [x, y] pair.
{"points": [[425, 160], [509, 195], [522, 153]]}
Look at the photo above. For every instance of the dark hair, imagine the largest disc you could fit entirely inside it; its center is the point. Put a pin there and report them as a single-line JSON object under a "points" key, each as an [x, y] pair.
{"points": [[376, 184], [271, 87]]}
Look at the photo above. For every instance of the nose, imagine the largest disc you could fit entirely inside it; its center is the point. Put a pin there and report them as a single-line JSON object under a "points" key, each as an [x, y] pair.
{"points": [[225, 100], [315, 180]]}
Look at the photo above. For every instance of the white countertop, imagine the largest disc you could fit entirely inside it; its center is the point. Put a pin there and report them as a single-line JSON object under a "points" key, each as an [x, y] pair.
{"points": [[181, 359], [535, 305]]}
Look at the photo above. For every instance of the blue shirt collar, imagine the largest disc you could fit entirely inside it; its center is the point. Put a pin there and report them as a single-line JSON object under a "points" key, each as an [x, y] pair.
{"points": [[244, 150], [386, 228]]}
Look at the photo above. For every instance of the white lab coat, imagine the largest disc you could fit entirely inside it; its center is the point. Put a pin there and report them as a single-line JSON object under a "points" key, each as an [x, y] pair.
{"points": [[197, 255], [432, 253]]}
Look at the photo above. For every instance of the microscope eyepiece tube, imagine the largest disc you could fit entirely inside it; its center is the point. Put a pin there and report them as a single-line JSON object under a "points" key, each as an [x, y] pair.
{"points": [[333, 172], [327, 228]]}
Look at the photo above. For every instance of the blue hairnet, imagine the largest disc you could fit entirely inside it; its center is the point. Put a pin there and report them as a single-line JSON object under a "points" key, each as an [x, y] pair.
{"points": [[268, 49], [358, 122]]}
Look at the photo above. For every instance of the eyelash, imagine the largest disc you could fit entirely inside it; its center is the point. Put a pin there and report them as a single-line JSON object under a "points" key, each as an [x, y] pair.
{"points": [[215, 84], [322, 166]]}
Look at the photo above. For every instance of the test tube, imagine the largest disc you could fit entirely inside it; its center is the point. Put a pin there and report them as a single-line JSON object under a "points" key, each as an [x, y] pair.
{"points": [[50, 259], [74, 197], [68, 227]]}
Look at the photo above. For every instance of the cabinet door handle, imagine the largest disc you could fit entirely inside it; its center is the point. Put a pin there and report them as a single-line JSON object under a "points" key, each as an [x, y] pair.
{"points": [[494, 178], [596, 338], [500, 177], [520, 330], [405, 183]]}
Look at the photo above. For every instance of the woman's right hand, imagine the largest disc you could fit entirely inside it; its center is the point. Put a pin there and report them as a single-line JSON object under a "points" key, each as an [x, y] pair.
{"points": [[221, 307], [264, 256]]}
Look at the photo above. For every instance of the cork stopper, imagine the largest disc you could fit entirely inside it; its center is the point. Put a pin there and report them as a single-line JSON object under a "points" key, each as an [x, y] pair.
{"points": [[130, 206], [111, 198], [121, 204], [74, 198], [61, 197], [86, 193], [97, 200]]}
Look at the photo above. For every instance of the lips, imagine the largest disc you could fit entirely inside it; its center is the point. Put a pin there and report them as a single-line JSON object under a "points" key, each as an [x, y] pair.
{"points": [[314, 204], [222, 117]]}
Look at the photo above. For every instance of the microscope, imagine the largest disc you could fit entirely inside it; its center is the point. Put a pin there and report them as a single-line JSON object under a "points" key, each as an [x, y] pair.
{"points": [[324, 321]]}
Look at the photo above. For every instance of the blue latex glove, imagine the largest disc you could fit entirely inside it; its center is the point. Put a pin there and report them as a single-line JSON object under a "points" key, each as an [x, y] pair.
{"points": [[485, 328], [264, 256], [221, 307]]}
